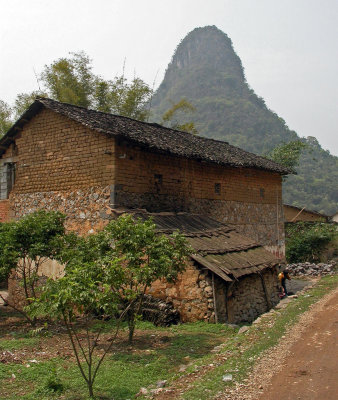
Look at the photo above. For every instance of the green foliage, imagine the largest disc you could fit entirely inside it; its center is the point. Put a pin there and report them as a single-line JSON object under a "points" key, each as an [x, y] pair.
{"points": [[144, 257], [107, 273], [306, 241], [181, 107], [23, 101], [70, 79], [5, 117], [287, 154], [25, 245]]}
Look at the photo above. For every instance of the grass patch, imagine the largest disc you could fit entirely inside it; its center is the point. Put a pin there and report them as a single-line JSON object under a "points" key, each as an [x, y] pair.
{"points": [[157, 354], [18, 343]]}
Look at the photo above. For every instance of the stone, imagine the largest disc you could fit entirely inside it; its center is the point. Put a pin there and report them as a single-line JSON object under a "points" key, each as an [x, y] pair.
{"points": [[227, 378], [161, 384], [243, 329]]}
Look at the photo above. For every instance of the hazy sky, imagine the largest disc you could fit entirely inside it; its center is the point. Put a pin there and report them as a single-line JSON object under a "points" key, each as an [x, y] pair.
{"points": [[289, 48]]}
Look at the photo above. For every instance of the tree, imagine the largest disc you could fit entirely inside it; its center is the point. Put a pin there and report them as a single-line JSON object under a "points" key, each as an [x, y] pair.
{"points": [[23, 101], [70, 80], [75, 299], [182, 107], [288, 154], [144, 257], [107, 273], [25, 246], [306, 241], [123, 98], [5, 117]]}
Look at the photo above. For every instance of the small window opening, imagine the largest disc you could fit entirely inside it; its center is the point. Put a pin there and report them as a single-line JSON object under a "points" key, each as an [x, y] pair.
{"points": [[158, 178], [217, 188], [262, 192]]}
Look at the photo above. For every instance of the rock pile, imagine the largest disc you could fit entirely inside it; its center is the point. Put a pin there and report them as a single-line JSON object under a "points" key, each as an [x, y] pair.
{"points": [[310, 269], [159, 312]]}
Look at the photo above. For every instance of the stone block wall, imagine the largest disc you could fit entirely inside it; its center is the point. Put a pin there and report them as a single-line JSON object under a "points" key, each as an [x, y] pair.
{"points": [[238, 302], [246, 298], [191, 295], [88, 209]]}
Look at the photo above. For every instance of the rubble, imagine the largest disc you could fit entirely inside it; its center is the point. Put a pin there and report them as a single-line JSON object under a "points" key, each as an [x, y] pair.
{"points": [[311, 269]]}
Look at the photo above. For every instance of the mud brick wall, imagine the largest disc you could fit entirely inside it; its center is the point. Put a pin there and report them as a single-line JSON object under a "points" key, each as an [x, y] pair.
{"points": [[191, 294], [246, 298], [4, 211], [57, 154], [247, 198]]}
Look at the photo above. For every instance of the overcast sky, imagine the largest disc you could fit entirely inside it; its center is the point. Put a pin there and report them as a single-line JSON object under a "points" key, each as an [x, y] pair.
{"points": [[289, 48]]}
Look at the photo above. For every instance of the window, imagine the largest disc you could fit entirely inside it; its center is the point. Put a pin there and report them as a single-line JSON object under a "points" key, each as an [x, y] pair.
{"points": [[7, 179], [217, 188], [262, 192]]}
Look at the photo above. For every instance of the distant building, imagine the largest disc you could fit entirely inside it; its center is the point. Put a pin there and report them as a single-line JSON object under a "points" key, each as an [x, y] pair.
{"points": [[334, 217], [296, 214]]}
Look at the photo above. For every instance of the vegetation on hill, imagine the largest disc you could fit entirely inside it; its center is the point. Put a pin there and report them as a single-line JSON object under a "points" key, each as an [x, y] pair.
{"points": [[207, 72]]}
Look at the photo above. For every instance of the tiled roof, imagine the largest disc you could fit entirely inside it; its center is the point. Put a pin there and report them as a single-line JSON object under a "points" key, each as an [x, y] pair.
{"points": [[152, 137], [217, 247]]}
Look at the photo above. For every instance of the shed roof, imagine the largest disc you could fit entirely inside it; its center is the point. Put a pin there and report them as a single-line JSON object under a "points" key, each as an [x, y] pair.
{"points": [[217, 247], [150, 136]]}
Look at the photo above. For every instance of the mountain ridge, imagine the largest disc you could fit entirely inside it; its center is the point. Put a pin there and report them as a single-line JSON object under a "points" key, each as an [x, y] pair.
{"points": [[206, 71]]}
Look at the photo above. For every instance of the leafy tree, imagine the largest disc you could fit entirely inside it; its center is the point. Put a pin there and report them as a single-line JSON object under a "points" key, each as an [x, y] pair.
{"points": [[107, 273], [23, 101], [25, 246], [179, 108], [70, 80], [123, 98], [288, 154], [75, 299], [145, 257], [5, 117]]}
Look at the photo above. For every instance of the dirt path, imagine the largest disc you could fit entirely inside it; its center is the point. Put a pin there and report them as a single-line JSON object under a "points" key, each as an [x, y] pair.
{"points": [[303, 365], [311, 370]]}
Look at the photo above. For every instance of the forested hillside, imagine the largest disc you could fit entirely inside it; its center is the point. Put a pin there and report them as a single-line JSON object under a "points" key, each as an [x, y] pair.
{"points": [[208, 73]]}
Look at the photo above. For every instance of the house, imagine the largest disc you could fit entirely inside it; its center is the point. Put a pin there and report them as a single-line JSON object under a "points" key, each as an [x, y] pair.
{"points": [[334, 217], [92, 165], [297, 214]]}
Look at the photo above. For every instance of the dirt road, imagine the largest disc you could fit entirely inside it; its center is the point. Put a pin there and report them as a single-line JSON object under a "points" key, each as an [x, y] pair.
{"points": [[310, 372]]}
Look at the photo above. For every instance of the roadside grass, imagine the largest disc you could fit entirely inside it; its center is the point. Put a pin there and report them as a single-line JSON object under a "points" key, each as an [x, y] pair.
{"points": [[243, 350], [157, 354]]}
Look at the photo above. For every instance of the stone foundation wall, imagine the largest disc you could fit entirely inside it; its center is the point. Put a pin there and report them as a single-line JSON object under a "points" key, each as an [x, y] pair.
{"points": [[191, 295], [87, 210], [246, 298]]}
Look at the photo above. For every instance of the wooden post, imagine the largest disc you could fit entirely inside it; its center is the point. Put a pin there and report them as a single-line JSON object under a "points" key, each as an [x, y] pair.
{"points": [[214, 296], [268, 301]]}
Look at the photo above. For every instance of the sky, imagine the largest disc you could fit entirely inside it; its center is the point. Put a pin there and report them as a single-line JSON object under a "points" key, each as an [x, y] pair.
{"points": [[289, 48]]}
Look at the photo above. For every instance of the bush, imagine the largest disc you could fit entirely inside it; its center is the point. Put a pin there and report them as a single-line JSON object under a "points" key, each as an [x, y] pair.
{"points": [[306, 241]]}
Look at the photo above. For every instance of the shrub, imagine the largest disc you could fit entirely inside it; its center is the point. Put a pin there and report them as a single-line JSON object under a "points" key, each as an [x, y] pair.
{"points": [[306, 241]]}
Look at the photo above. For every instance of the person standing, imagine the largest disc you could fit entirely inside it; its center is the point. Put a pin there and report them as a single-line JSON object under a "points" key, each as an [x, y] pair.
{"points": [[282, 277]]}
